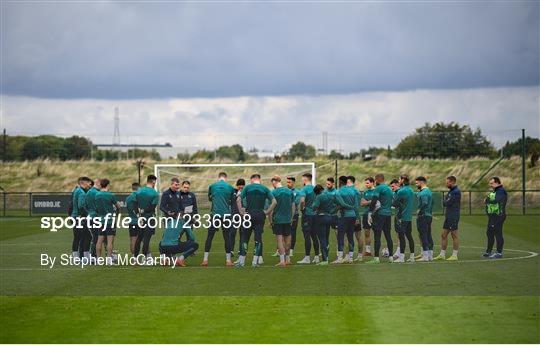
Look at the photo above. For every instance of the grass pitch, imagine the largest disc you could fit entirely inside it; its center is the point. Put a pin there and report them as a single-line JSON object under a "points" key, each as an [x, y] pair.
{"points": [[470, 301]]}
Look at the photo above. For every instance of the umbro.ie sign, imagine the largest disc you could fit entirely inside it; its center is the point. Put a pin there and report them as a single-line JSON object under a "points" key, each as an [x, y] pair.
{"points": [[50, 203], [59, 203]]}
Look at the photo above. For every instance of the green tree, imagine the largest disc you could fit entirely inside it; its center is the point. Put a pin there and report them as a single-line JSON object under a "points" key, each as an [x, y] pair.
{"points": [[234, 152], [442, 140], [301, 150], [43, 146], [336, 155], [77, 148], [514, 148]]}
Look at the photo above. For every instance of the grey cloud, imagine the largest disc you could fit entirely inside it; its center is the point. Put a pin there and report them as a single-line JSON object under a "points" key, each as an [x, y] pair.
{"points": [[125, 50]]}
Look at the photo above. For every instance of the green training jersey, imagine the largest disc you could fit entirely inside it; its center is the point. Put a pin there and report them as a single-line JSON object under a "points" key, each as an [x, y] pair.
{"points": [[425, 202], [173, 231], [256, 196], [105, 202], [131, 205], [384, 194], [282, 213], [221, 194], [90, 201], [333, 192], [309, 196], [368, 195], [147, 200], [324, 204], [81, 204], [346, 199], [297, 197], [404, 203], [77, 193]]}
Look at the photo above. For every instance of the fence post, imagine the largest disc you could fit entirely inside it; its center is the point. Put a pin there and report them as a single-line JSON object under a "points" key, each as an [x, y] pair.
{"points": [[470, 203], [442, 203], [30, 204]]}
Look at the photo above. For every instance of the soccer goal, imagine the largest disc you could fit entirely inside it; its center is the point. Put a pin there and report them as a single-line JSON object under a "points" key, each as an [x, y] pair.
{"points": [[201, 176]]}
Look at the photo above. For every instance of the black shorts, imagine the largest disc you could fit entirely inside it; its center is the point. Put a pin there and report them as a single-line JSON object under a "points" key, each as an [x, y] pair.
{"points": [[450, 224], [403, 226], [109, 231], [133, 230], [365, 224], [282, 229]]}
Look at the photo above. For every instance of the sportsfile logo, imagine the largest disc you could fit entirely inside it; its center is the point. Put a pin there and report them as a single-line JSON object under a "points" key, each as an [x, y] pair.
{"points": [[118, 222], [117, 260]]}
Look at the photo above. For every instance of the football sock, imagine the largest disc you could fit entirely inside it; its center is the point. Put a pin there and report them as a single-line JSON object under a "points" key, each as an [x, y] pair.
{"points": [[454, 252], [206, 256], [368, 249], [443, 252], [281, 258], [228, 256]]}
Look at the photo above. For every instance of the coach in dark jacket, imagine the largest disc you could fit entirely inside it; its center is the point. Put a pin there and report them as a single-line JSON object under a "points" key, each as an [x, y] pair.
{"points": [[189, 201], [496, 212], [171, 203]]}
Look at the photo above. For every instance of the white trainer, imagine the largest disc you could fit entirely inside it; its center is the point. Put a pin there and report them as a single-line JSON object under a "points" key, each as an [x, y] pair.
{"points": [[305, 260]]}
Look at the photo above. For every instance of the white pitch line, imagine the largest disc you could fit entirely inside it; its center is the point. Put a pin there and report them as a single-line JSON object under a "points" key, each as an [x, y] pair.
{"points": [[530, 255]]}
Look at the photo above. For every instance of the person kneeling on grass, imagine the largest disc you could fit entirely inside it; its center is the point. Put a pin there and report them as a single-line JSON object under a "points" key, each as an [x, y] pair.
{"points": [[170, 244]]}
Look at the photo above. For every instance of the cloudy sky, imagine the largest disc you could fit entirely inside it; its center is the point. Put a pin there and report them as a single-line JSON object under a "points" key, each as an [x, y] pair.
{"points": [[267, 74]]}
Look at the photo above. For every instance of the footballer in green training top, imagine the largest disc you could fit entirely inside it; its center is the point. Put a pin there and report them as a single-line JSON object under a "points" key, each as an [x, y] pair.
{"points": [[424, 219], [107, 207], [131, 205], [307, 196], [221, 195], [147, 200], [365, 202], [381, 216], [90, 205], [404, 203], [81, 236], [255, 197], [348, 201], [281, 212]]}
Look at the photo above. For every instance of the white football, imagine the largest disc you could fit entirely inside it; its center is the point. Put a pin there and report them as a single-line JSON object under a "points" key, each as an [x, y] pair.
{"points": [[385, 253]]}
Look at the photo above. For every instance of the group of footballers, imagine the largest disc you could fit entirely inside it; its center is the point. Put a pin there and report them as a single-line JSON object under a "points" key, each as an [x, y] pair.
{"points": [[318, 209]]}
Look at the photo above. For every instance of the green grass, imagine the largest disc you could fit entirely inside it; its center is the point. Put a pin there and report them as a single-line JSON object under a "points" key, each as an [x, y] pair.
{"points": [[42, 175], [471, 301]]}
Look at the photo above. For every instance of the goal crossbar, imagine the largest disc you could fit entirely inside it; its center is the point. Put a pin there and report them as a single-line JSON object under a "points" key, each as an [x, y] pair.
{"points": [[157, 167]]}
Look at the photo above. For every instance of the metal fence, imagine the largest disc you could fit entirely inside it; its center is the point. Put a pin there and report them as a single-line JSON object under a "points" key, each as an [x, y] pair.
{"points": [[24, 204]]}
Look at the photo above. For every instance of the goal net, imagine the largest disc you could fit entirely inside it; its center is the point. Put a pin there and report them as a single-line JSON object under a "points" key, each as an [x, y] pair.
{"points": [[201, 176]]}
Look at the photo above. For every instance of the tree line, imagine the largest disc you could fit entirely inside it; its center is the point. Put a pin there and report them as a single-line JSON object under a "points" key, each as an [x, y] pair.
{"points": [[433, 141], [21, 148]]}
